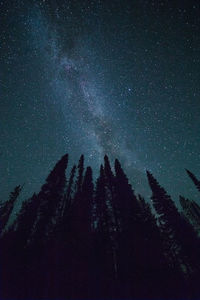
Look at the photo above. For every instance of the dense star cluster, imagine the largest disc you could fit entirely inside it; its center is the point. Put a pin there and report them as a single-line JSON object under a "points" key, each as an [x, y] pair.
{"points": [[100, 77]]}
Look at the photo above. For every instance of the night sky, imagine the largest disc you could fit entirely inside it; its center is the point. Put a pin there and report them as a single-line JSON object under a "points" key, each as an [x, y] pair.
{"points": [[100, 77]]}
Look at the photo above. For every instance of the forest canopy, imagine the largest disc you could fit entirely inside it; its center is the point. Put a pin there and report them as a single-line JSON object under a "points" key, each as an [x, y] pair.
{"points": [[80, 239]]}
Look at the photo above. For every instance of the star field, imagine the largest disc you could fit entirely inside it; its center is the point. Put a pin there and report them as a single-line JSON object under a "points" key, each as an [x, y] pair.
{"points": [[97, 77]]}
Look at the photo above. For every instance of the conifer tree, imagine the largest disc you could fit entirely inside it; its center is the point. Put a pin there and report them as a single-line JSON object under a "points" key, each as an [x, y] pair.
{"points": [[68, 194], [7, 207], [79, 180], [109, 175], [101, 218], [87, 195], [25, 219], [84, 212], [126, 203], [182, 239], [194, 179], [44, 241], [49, 198], [155, 265], [79, 235], [111, 196], [76, 202], [74, 241], [64, 250], [132, 256], [82, 206], [103, 237], [192, 211]]}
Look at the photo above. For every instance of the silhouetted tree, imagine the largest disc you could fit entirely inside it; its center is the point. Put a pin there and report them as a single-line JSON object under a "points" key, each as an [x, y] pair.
{"points": [[61, 255], [129, 237], [49, 197], [6, 208], [126, 204], [20, 251], [87, 200], [192, 211], [194, 179], [9, 249], [110, 190], [69, 193], [79, 236], [82, 207], [25, 219], [73, 240], [103, 239], [79, 180], [101, 210], [155, 265], [182, 241]]}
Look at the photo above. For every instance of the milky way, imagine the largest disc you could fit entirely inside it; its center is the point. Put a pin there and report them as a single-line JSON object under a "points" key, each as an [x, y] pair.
{"points": [[77, 89], [97, 77]]}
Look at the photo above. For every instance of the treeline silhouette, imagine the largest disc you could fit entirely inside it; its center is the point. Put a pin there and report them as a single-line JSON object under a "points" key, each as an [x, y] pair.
{"points": [[77, 240]]}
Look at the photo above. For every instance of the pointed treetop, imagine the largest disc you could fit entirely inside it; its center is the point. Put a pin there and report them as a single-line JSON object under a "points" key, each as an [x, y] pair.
{"points": [[17, 189], [106, 160], [101, 169], [88, 171], [59, 168], [105, 157], [117, 164], [118, 168], [6, 208], [162, 202], [88, 174], [149, 174], [152, 181], [154, 185], [107, 166], [15, 193], [194, 179], [81, 160]]}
